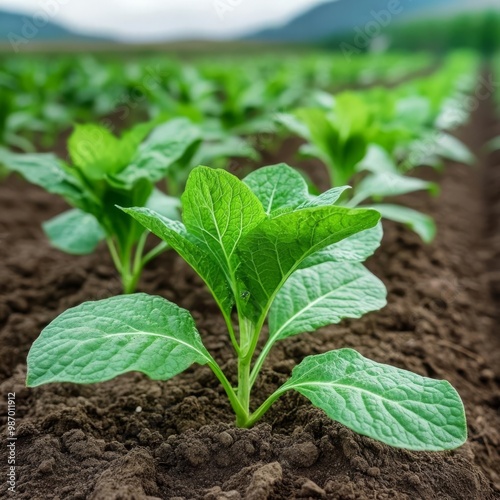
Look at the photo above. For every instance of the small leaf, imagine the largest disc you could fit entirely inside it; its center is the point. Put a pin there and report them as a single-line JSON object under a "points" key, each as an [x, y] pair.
{"points": [[381, 185], [74, 232], [96, 151], [166, 144], [97, 341], [278, 186], [165, 205], [329, 197], [391, 405], [352, 114], [227, 146], [421, 223], [322, 295]]}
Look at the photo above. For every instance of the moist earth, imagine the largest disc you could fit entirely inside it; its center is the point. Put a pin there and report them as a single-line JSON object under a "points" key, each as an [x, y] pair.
{"points": [[133, 438]]}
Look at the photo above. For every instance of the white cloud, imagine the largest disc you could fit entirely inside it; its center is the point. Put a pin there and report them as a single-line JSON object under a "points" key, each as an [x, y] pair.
{"points": [[154, 19]]}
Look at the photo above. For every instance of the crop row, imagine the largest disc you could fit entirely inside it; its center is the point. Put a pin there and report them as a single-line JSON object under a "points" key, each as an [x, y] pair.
{"points": [[270, 248], [43, 96]]}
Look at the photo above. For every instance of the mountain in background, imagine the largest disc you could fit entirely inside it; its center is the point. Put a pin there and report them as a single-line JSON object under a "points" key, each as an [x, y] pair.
{"points": [[15, 27], [341, 16]]}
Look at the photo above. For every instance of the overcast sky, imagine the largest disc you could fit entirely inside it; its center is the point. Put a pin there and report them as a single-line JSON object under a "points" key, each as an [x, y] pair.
{"points": [[152, 19]]}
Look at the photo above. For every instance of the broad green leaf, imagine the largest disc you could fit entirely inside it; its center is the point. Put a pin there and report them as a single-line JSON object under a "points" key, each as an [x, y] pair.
{"points": [[421, 223], [192, 250], [320, 130], [222, 148], [397, 407], [219, 210], [356, 248], [47, 171], [74, 232], [97, 341], [166, 144], [97, 152], [165, 205], [352, 114], [381, 185], [339, 138], [276, 247], [323, 295], [278, 186]]}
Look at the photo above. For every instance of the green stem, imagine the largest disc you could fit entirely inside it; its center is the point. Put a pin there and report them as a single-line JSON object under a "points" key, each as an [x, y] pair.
{"points": [[138, 260], [233, 398], [131, 277], [114, 254], [247, 338], [259, 413], [157, 250], [260, 361], [130, 281], [247, 335], [232, 336], [243, 391]]}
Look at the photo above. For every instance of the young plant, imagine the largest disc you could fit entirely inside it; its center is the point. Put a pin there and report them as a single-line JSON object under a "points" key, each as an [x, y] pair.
{"points": [[268, 249], [106, 171], [371, 139], [346, 139]]}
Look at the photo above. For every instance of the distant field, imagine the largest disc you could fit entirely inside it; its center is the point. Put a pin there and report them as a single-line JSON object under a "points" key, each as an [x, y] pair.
{"points": [[187, 47]]}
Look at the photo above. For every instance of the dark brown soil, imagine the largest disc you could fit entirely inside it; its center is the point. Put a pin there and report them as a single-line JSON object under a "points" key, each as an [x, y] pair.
{"points": [[132, 438]]}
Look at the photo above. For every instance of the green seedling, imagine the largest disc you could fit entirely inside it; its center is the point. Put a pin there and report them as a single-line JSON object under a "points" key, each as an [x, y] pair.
{"points": [[106, 171], [265, 248]]}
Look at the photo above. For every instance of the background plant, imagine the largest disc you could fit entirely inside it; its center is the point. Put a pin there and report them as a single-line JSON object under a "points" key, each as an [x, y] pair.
{"points": [[372, 139], [106, 170]]}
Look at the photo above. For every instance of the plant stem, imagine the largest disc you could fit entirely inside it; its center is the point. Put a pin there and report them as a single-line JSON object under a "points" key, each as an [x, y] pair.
{"points": [[233, 398], [130, 281], [259, 413], [138, 253], [157, 250], [129, 277], [114, 254], [243, 391], [260, 361], [247, 334]]}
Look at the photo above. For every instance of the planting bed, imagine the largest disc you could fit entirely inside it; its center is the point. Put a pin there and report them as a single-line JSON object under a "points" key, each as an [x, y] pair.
{"points": [[132, 438]]}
